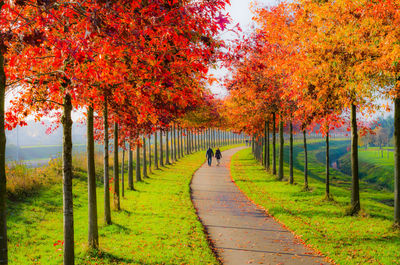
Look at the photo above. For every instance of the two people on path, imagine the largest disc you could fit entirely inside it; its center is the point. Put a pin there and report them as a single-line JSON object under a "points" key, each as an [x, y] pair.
{"points": [[210, 154]]}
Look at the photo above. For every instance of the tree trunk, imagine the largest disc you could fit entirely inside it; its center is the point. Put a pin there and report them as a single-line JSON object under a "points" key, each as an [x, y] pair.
{"points": [[144, 158], [281, 143], [274, 143], [175, 150], [327, 192], [187, 142], [150, 154], [291, 178], [397, 162], [130, 168], [161, 150], [123, 172], [355, 189], [167, 153], [268, 155], [117, 205], [305, 161], [93, 235], [179, 144], [3, 192], [69, 257], [182, 144], [107, 207], [265, 145], [155, 151], [138, 176]]}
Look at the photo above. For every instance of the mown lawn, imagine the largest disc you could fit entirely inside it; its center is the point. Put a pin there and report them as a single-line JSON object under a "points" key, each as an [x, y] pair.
{"points": [[157, 223], [368, 238]]}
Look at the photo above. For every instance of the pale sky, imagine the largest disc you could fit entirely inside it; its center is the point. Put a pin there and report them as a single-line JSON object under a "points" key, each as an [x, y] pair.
{"points": [[239, 11]]}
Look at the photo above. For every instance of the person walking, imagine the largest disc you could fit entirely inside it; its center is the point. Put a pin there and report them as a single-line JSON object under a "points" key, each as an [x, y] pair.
{"points": [[209, 155], [218, 155]]}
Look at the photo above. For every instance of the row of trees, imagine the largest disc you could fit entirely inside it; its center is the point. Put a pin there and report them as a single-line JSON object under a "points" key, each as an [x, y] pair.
{"points": [[135, 67], [317, 65]]}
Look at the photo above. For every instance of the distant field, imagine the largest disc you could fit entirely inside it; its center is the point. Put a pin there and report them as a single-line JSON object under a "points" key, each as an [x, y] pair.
{"points": [[376, 166], [39, 152]]}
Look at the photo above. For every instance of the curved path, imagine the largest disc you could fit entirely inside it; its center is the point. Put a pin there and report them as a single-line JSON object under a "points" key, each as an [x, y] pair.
{"points": [[241, 232]]}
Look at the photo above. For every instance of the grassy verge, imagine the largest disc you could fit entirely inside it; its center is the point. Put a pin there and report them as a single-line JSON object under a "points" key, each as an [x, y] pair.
{"points": [[157, 223], [367, 238]]}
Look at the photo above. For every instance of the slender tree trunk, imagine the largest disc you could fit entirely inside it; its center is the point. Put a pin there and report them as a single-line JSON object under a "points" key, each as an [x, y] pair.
{"points": [[138, 176], [3, 192], [179, 144], [93, 235], [167, 153], [150, 154], [281, 144], [123, 172], [182, 151], [305, 161], [69, 256], [252, 145], [187, 142], [107, 207], [291, 178], [397, 162], [274, 143], [265, 145], [161, 150], [144, 158], [175, 150], [327, 192], [355, 190], [130, 169], [268, 150], [117, 204], [155, 151]]}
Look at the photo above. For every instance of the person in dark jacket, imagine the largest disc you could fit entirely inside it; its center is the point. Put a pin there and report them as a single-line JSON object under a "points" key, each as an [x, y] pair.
{"points": [[218, 155], [209, 155]]}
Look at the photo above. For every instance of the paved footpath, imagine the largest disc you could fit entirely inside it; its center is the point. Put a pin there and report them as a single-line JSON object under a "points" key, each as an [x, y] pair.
{"points": [[241, 232]]}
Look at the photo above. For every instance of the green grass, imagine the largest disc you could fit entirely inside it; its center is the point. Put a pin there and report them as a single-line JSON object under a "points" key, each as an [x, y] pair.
{"points": [[367, 238], [373, 167], [157, 223]]}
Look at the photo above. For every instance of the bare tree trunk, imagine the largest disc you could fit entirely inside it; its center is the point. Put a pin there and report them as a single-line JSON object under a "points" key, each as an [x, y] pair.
{"points": [[69, 256], [179, 144], [117, 204], [150, 170], [182, 152], [107, 207], [130, 168], [155, 151], [123, 172], [144, 158], [174, 130], [397, 162], [138, 176], [274, 143], [161, 150], [3, 192], [305, 161], [167, 153], [265, 144], [327, 192], [291, 178], [281, 144], [355, 189], [93, 235], [268, 151]]}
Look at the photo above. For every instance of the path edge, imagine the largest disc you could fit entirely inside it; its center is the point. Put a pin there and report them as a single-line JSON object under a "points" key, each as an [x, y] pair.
{"points": [[211, 244], [314, 250]]}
